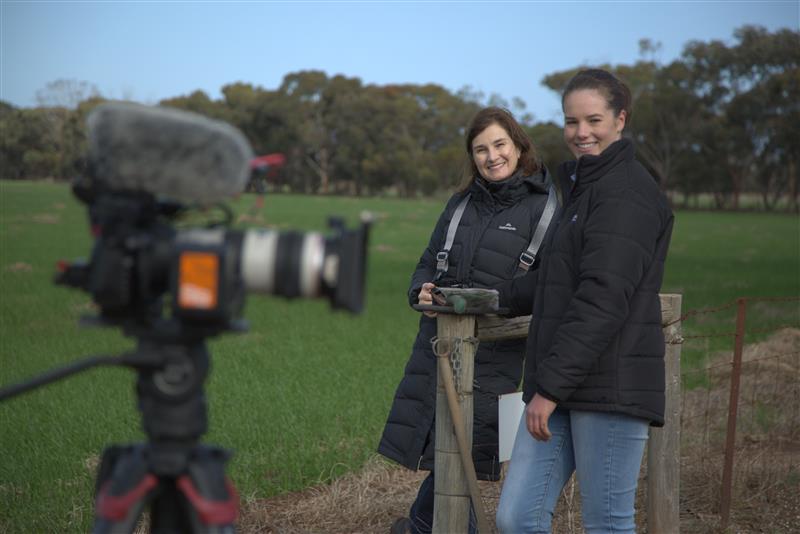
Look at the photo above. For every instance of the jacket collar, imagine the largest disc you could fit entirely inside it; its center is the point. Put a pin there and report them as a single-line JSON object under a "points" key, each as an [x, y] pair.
{"points": [[589, 169], [511, 190]]}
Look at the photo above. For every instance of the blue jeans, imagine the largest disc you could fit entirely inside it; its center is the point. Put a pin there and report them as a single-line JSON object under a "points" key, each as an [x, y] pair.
{"points": [[604, 449]]}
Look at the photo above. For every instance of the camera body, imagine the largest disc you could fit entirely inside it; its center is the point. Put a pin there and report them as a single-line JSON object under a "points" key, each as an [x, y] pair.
{"points": [[143, 270], [150, 165]]}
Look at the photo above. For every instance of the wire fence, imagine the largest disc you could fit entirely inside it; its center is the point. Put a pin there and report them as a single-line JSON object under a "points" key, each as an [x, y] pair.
{"points": [[728, 458], [740, 417], [739, 414]]}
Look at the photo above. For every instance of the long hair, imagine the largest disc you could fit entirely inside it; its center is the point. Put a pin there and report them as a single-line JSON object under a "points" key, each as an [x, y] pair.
{"points": [[529, 161]]}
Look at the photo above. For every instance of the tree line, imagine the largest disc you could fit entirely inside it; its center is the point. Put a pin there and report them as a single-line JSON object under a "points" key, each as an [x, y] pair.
{"points": [[722, 120]]}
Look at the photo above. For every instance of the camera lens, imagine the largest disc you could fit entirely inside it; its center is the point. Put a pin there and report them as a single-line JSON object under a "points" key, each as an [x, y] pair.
{"points": [[289, 264]]}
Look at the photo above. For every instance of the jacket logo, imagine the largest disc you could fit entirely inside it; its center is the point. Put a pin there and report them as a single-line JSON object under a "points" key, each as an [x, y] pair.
{"points": [[508, 226], [574, 218]]}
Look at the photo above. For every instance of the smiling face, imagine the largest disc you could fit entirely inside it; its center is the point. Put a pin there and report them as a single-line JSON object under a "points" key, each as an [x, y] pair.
{"points": [[590, 125], [494, 153]]}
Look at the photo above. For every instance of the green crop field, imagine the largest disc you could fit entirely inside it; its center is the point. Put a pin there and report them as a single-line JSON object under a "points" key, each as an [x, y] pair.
{"points": [[301, 397]]}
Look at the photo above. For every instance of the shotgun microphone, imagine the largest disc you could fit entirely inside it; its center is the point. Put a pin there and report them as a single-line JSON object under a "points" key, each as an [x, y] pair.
{"points": [[167, 152]]}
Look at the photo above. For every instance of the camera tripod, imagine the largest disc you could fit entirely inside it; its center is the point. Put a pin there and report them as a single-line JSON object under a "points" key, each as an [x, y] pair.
{"points": [[182, 481]]}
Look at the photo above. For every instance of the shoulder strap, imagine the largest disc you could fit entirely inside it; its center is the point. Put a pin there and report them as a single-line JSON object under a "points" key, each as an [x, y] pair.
{"points": [[441, 256], [527, 258]]}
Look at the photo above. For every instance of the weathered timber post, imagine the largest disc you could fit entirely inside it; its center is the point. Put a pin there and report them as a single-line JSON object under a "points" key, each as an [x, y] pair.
{"points": [[451, 493], [494, 328], [664, 445], [454, 477]]}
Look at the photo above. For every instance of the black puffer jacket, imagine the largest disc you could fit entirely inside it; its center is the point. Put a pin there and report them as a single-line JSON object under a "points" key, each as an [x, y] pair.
{"points": [[596, 339], [495, 229]]}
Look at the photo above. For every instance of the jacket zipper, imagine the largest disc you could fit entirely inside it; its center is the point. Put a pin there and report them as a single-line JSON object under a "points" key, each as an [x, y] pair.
{"points": [[468, 265]]}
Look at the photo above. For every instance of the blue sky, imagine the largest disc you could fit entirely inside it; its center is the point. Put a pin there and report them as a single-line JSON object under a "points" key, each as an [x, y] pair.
{"points": [[149, 50]]}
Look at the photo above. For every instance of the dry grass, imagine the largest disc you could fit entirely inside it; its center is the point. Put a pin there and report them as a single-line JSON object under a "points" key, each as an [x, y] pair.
{"points": [[766, 474], [364, 502]]}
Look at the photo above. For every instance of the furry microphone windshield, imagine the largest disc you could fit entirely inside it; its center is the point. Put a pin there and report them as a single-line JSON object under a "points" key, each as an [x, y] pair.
{"points": [[176, 154]]}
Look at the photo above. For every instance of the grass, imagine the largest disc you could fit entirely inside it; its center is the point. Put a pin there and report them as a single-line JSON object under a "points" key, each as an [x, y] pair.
{"points": [[747, 201], [716, 257], [302, 396]]}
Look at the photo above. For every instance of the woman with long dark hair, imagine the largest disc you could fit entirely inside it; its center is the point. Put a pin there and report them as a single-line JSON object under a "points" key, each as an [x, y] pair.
{"points": [[506, 191], [594, 368]]}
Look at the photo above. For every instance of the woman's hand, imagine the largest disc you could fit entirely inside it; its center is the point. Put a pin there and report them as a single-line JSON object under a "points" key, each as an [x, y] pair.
{"points": [[537, 413], [425, 297]]}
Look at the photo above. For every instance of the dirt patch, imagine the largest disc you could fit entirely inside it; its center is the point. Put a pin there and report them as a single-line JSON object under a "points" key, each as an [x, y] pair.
{"points": [[20, 267], [766, 469], [46, 218], [256, 219]]}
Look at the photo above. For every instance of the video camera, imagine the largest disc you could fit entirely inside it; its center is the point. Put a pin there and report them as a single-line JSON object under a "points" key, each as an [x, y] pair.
{"points": [[171, 288], [148, 166]]}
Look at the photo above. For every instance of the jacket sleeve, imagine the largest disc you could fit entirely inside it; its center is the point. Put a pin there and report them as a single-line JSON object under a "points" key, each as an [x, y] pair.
{"points": [[426, 266], [619, 243], [517, 294]]}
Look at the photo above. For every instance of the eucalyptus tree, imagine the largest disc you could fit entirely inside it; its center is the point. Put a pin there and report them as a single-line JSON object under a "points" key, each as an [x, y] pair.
{"points": [[752, 89]]}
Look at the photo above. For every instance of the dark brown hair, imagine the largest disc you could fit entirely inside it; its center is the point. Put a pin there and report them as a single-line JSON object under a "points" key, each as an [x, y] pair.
{"points": [[529, 161], [614, 90]]}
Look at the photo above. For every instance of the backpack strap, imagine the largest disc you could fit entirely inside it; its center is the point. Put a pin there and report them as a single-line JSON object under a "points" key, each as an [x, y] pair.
{"points": [[527, 258], [441, 256]]}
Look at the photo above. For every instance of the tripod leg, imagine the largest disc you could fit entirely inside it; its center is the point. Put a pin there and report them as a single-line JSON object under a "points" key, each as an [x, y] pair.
{"points": [[124, 485], [213, 499]]}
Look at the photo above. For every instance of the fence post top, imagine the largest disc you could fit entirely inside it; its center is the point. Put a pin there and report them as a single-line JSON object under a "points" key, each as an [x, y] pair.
{"points": [[463, 301]]}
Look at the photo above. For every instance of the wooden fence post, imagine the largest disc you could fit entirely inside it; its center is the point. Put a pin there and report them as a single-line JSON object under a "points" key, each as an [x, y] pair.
{"points": [[451, 489], [664, 446]]}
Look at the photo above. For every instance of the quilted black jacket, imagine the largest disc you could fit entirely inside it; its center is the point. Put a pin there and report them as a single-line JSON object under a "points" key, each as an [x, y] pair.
{"points": [[495, 229], [596, 340]]}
